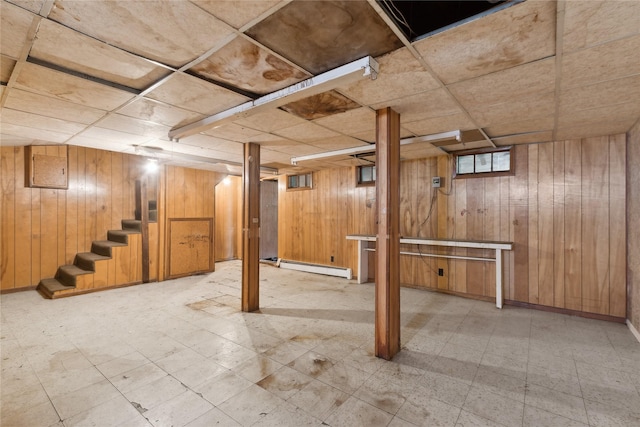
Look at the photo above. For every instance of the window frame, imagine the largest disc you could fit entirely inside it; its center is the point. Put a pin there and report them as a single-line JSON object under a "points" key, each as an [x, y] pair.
{"points": [[310, 180], [475, 152], [358, 171]]}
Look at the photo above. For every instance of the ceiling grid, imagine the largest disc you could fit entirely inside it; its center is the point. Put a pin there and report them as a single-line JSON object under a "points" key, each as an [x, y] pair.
{"points": [[524, 72]]}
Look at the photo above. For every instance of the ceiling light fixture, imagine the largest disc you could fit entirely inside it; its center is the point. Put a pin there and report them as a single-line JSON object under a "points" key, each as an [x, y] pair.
{"points": [[353, 71], [443, 136]]}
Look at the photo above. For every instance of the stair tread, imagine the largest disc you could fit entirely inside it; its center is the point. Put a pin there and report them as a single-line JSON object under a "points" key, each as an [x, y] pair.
{"points": [[92, 256], [54, 285], [74, 270], [126, 231], [108, 243]]}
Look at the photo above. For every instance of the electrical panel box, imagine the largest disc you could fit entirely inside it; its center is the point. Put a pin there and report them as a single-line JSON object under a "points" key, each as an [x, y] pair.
{"points": [[435, 182]]}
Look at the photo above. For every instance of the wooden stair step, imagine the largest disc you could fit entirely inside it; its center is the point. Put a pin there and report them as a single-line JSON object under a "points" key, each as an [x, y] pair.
{"points": [[103, 247], [48, 287], [131, 224], [120, 236], [67, 274], [87, 260]]}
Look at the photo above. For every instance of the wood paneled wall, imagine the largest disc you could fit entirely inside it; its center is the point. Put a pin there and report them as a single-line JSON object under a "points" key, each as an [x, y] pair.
{"points": [[564, 209], [228, 219], [184, 193], [633, 225], [312, 224], [44, 228]]}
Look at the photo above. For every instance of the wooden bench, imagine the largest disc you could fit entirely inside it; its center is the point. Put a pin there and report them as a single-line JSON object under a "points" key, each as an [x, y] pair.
{"points": [[366, 244]]}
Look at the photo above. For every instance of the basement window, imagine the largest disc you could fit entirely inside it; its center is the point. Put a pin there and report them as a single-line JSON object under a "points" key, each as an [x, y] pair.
{"points": [[299, 182], [482, 163], [366, 175]]}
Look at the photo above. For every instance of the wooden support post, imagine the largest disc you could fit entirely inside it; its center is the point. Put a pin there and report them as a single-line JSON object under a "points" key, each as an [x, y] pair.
{"points": [[387, 310], [251, 228]]}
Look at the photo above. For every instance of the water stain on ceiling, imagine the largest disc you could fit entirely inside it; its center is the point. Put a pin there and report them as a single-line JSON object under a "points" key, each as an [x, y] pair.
{"points": [[321, 105]]}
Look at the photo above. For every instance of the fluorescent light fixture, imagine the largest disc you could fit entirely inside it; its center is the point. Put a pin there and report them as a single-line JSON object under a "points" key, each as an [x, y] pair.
{"points": [[353, 151], [345, 74]]}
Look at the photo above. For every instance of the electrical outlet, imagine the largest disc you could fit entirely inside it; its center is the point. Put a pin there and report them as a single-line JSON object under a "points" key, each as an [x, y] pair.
{"points": [[441, 272], [435, 182]]}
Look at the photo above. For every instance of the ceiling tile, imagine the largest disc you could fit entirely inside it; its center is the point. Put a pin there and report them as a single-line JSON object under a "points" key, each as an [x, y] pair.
{"points": [[507, 85], [531, 105], [321, 105], [596, 128], [116, 136], [134, 126], [100, 144], [230, 12], [233, 132], [419, 151], [194, 94], [321, 35], [15, 140], [439, 124], [39, 122], [306, 132], [626, 112], [513, 36], [32, 5], [608, 61], [148, 109], [606, 93], [14, 26], [244, 65], [70, 88], [337, 143], [525, 138], [351, 122], [211, 143], [434, 103], [51, 107], [400, 75], [27, 132], [588, 23], [521, 126], [290, 148], [64, 47], [270, 121], [6, 68], [171, 32]]}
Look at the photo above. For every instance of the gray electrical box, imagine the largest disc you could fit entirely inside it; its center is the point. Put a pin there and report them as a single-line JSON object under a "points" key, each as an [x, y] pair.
{"points": [[435, 182]]}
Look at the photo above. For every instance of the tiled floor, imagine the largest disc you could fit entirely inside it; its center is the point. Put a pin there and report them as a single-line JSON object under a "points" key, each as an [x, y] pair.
{"points": [[181, 353]]}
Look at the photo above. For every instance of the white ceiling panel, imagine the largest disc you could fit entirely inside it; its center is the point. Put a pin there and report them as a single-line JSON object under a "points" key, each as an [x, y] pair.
{"points": [[589, 23], [525, 138], [40, 122], [158, 112], [171, 32], [270, 121], [439, 124], [14, 26], [609, 61], [306, 132], [52, 107], [425, 105], [32, 5], [521, 126], [45, 81], [194, 94], [26, 132], [64, 47], [134, 126], [230, 12], [519, 34], [352, 122], [400, 75]]}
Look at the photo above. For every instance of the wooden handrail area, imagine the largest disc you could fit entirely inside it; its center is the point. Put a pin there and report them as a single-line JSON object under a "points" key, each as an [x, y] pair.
{"points": [[365, 242]]}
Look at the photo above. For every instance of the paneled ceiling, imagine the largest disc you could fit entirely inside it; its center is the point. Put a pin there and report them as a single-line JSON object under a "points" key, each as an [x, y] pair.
{"points": [[120, 75]]}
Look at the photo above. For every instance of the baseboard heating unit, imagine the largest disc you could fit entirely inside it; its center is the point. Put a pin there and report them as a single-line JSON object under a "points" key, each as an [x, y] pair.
{"points": [[316, 268]]}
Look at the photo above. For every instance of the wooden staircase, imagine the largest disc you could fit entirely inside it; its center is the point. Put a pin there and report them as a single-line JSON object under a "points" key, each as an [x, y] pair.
{"points": [[99, 268]]}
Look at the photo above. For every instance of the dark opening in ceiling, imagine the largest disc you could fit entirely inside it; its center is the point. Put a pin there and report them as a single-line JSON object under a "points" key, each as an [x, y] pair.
{"points": [[417, 18]]}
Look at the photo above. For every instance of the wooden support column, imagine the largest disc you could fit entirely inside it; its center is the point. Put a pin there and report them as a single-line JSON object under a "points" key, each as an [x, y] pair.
{"points": [[251, 228], [387, 311]]}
